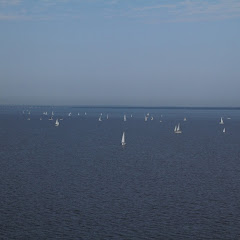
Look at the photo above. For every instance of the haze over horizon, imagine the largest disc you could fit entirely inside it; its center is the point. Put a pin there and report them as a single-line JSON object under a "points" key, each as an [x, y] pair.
{"points": [[112, 52]]}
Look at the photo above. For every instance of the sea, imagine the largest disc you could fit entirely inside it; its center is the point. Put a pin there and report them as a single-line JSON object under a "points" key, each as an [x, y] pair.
{"points": [[76, 181]]}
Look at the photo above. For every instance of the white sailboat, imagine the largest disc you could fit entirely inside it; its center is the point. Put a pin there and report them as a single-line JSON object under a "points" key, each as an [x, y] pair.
{"points": [[70, 114], [100, 118], [177, 129], [185, 119], [123, 139], [224, 130], [52, 113], [107, 116], [151, 118], [124, 118], [221, 121], [57, 123], [145, 118]]}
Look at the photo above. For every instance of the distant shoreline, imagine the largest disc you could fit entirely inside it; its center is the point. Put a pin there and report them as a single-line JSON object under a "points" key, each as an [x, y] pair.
{"points": [[121, 107]]}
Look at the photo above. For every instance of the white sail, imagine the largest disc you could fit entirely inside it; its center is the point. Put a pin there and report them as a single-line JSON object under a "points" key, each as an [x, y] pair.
{"points": [[123, 139], [177, 129], [221, 121], [185, 119], [70, 114], [52, 113], [100, 119], [145, 118], [151, 118], [224, 130], [124, 118], [107, 116], [57, 123]]}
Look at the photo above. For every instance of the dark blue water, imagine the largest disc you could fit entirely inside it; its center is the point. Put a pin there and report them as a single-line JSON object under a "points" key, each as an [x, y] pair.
{"points": [[75, 181]]}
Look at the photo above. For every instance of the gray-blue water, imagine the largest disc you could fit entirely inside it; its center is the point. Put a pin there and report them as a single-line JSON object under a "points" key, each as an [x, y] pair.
{"points": [[76, 181]]}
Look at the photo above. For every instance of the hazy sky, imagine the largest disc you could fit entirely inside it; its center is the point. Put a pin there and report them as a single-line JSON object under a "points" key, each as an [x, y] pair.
{"points": [[120, 52]]}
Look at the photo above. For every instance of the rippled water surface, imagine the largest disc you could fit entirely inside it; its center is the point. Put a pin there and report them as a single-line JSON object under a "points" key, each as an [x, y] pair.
{"points": [[76, 181]]}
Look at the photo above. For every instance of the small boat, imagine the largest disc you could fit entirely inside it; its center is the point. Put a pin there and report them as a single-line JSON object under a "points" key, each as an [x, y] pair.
{"points": [[224, 130], [145, 118], [177, 129], [51, 118], [52, 113], [221, 121], [123, 139], [228, 118], [185, 119], [151, 118], [107, 116], [70, 114], [100, 119], [124, 118], [57, 123]]}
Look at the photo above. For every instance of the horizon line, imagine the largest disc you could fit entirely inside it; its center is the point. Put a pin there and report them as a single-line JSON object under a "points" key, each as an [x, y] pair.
{"points": [[123, 106]]}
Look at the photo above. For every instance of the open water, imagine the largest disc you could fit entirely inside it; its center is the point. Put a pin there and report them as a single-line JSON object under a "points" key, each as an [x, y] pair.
{"points": [[76, 181]]}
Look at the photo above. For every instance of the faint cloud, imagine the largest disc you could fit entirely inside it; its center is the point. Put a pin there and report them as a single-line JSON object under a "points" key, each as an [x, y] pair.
{"points": [[165, 11]]}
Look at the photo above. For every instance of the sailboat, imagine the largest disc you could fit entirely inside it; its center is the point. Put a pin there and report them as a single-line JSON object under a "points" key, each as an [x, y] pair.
{"points": [[100, 118], [107, 116], [221, 121], [52, 113], [57, 123], [124, 118], [145, 118], [177, 129], [151, 118], [185, 119], [224, 130], [70, 114], [123, 139]]}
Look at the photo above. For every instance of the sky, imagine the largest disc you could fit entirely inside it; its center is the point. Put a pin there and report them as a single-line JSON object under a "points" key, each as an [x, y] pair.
{"points": [[120, 52]]}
